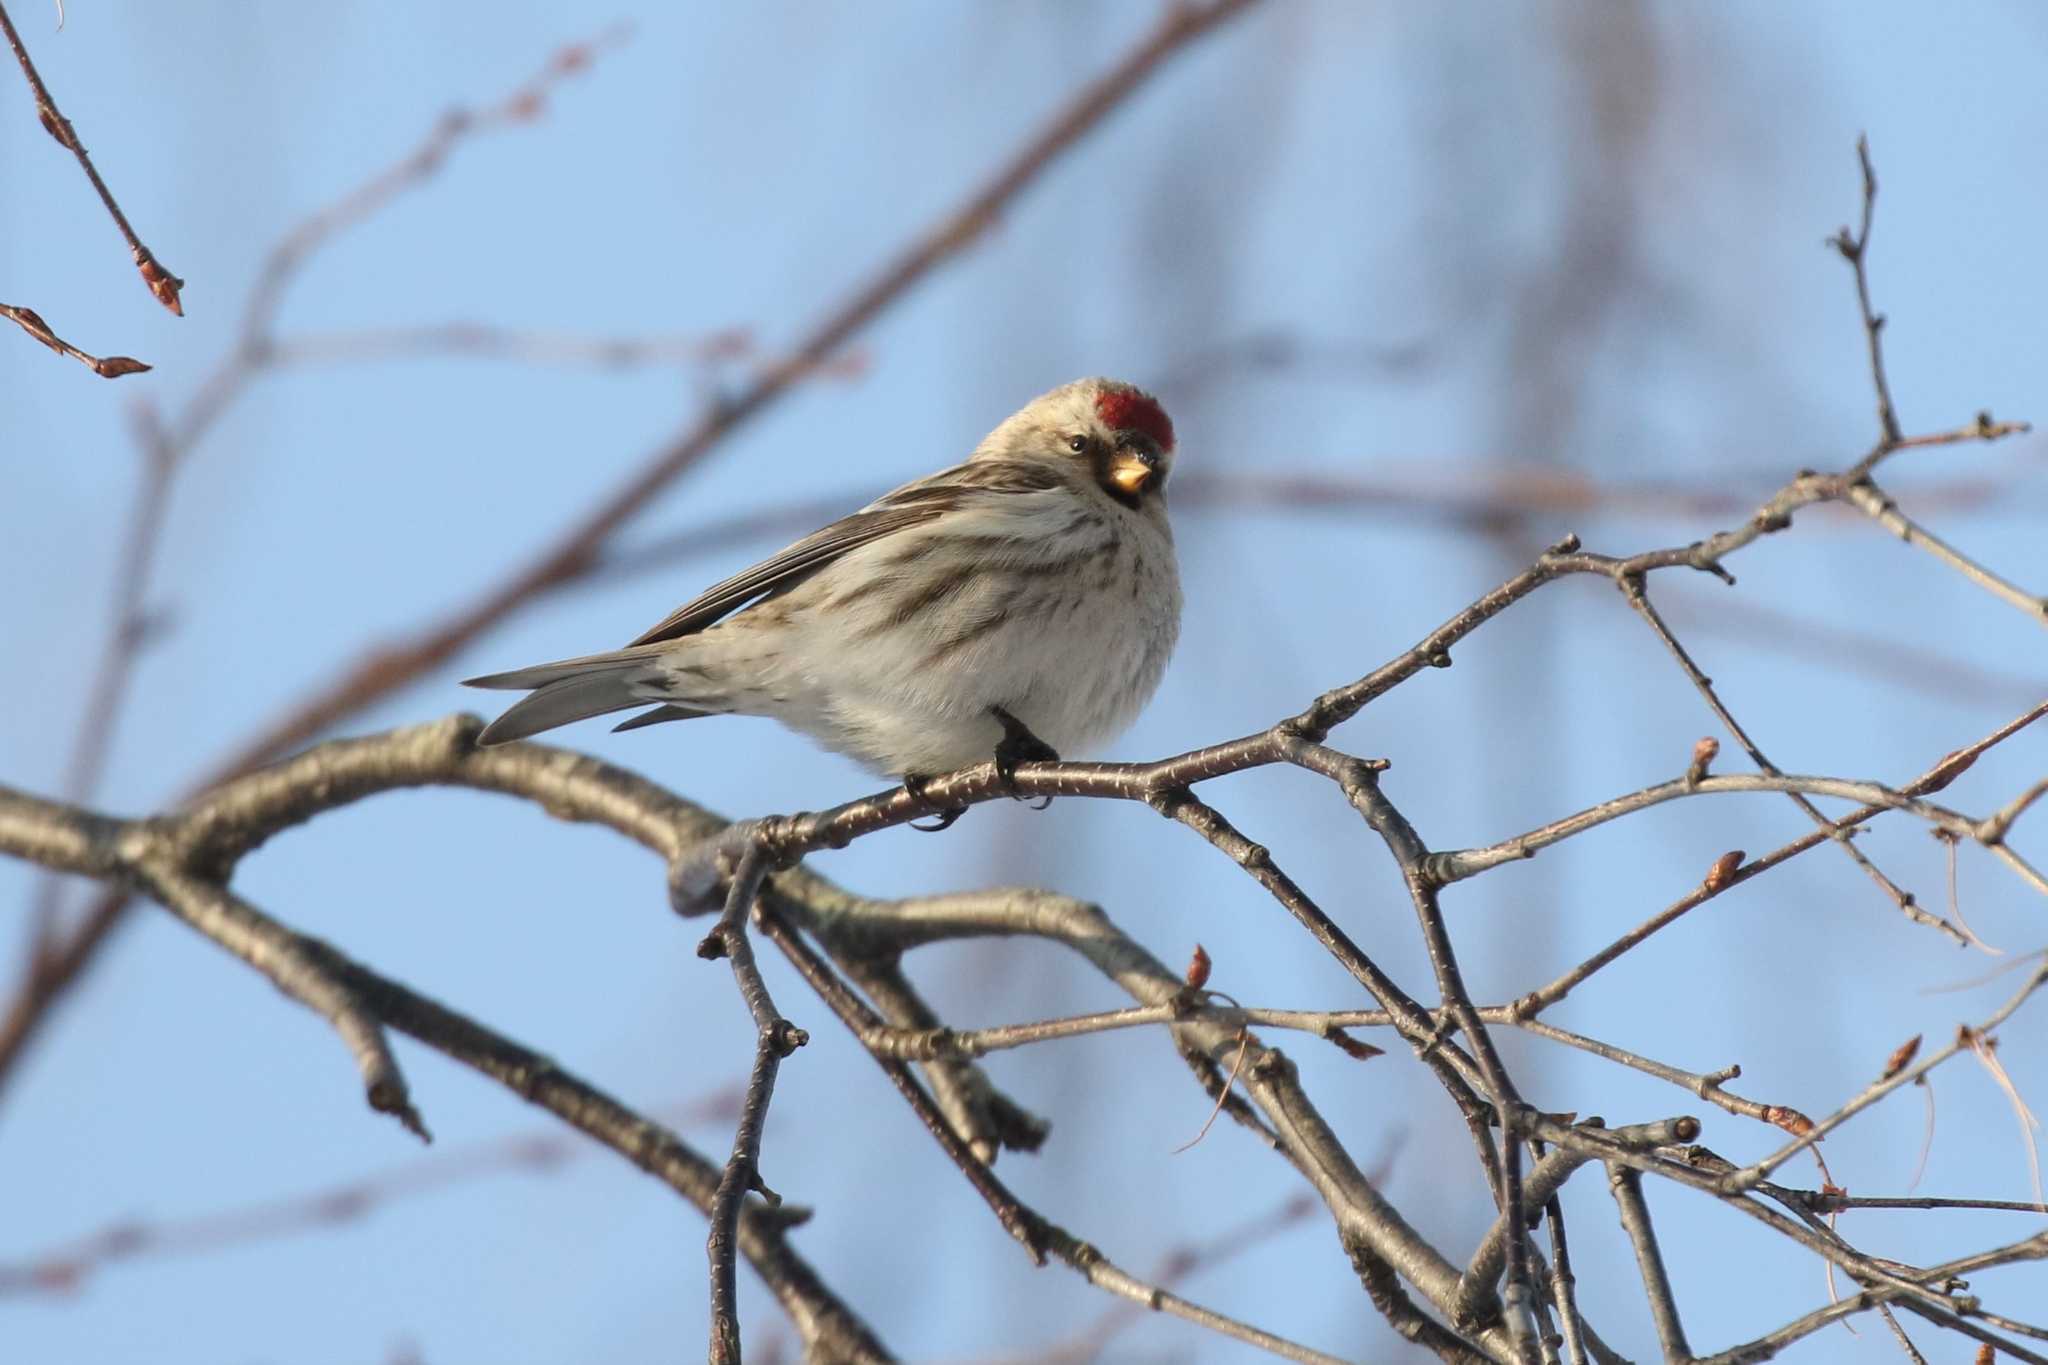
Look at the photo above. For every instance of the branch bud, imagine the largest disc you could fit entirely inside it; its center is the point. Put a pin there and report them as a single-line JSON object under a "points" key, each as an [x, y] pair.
{"points": [[161, 282], [1703, 754], [1352, 1047], [1901, 1057], [1788, 1118], [1723, 871]]}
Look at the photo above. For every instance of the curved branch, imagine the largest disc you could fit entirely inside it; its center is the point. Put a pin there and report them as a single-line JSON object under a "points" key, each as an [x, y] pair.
{"points": [[162, 859], [1451, 867]]}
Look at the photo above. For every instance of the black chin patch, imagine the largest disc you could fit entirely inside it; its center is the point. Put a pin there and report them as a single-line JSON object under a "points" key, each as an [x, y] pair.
{"points": [[1116, 492], [1105, 468]]}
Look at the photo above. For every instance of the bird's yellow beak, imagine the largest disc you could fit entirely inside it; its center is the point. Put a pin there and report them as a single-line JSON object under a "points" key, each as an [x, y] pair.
{"points": [[1133, 471]]}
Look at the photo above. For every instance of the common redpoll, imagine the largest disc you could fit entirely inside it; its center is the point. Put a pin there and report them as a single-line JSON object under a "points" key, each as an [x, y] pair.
{"points": [[1021, 604]]}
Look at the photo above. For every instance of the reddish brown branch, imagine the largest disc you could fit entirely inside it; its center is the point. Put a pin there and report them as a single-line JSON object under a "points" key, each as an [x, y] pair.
{"points": [[161, 282], [65, 1268], [129, 631], [256, 347], [522, 105], [106, 367]]}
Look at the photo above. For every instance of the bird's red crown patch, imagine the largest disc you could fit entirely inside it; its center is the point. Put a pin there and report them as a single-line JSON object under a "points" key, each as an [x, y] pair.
{"points": [[1129, 410]]}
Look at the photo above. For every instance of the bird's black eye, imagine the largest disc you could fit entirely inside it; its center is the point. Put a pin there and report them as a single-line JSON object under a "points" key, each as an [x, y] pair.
{"points": [[1077, 444]]}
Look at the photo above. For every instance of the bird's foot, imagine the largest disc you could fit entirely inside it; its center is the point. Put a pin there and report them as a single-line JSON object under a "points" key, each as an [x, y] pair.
{"points": [[942, 816], [1019, 745]]}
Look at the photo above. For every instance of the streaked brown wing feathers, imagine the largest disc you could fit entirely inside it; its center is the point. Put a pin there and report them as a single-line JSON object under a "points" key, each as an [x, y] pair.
{"points": [[812, 552], [911, 505], [891, 512]]}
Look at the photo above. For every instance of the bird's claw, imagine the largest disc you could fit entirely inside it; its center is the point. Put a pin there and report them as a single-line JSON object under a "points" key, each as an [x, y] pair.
{"points": [[1019, 745], [942, 816]]}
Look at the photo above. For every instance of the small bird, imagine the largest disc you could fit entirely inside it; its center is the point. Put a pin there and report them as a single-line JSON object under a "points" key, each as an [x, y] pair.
{"points": [[1019, 605]]}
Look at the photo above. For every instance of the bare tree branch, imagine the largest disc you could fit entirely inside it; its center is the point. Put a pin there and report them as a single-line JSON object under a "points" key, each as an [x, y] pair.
{"points": [[224, 826], [64, 1267], [1876, 504], [30, 321], [1855, 249], [776, 1039], [1934, 779], [159, 858], [161, 282], [128, 631], [1627, 1187]]}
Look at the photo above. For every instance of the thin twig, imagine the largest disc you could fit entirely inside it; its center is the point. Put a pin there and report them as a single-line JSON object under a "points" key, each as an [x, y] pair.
{"points": [[1539, 1192], [1176, 1267], [520, 106], [1855, 250], [65, 1267], [1038, 1235], [1774, 1342], [1627, 1188], [1986, 1049], [1878, 505], [1750, 1175], [297, 966], [1899, 1334], [1360, 784], [1564, 1285], [885, 928], [30, 321], [128, 631], [1459, 1075], [535, 346], [776, 1038], [1471, 862], [161, 282], [1017, 1218], [1638, 596], [1824, 1202], [1934, 779]]}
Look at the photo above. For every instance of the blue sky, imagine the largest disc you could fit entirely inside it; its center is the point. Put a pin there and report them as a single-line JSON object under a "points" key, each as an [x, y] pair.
{"points": [[1585, 244]]}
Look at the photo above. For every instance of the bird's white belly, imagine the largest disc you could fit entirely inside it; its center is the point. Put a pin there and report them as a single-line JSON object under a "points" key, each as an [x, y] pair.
{"points": [[1074, 663]]}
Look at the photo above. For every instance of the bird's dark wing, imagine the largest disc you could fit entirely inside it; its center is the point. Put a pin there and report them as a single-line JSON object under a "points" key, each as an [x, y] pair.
{"points": [[911, 505]]}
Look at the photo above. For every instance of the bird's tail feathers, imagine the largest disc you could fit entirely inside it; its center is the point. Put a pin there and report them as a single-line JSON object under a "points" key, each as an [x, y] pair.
{"points": [[571, 690], [660, 715], [540, 675]]}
